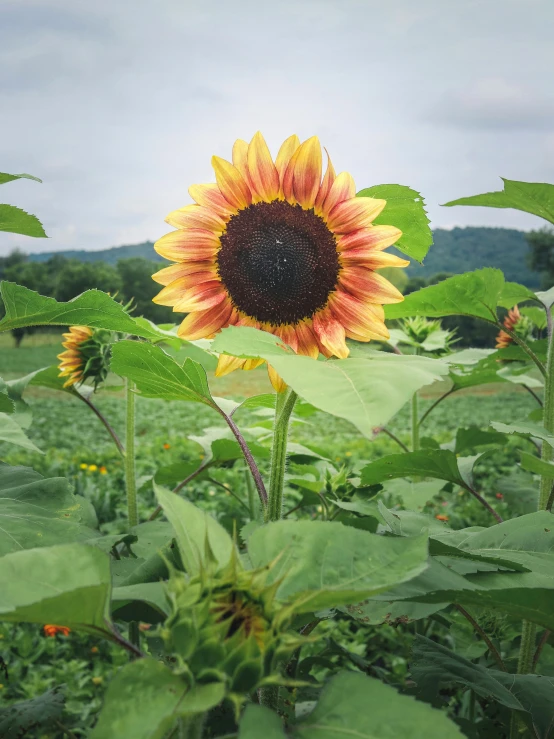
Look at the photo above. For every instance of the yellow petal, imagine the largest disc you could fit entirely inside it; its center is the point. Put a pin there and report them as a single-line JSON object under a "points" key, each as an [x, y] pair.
{"points": [[288, 147], [263, 173], [196, 216], [353, 214], [307, 172], [231, 183], [343, 188]]}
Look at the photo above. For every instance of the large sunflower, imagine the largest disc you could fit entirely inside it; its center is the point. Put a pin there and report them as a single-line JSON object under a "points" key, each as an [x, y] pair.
{"points": [[274, 246], [72, 361]]}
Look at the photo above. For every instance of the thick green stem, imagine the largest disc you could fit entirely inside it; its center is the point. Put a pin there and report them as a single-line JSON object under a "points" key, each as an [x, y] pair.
{"points": [[130, 479], [283, 410], [191, 727], [415, 424]]}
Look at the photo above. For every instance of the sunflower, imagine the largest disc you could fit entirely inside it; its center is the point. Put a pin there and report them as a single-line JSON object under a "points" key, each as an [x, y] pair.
{"points": [[512, 320], [72, 361], [275, 246]]}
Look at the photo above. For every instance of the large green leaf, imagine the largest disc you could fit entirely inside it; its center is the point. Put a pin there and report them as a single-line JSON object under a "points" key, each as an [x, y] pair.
{"points": [[367, 392], [537, 465], [326, 564], [5, 177], [434, 666], [157, 375], [93, 308], [405, 209], [145, 699], [531, 197], [38, 512], [18, 221], [359, 707], [20, 718], [12, 433], [442, 464], [527, 429], [67, 585], [472, 294], [256, 716], [194, 529], [513, 293]]}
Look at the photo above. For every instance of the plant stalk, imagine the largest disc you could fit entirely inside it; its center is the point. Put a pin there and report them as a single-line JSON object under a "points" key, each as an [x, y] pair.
{"points": [[104, 421], [415, 424], [252, 506], [283, 410], [130, 478]]}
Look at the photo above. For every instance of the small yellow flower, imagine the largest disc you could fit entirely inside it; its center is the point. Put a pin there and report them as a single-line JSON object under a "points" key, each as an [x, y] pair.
{"points": [[211, 492], [103, 470], [94, 650], [97, 680], [348, 454], [92, 468], [1, 686], [83, 466]]}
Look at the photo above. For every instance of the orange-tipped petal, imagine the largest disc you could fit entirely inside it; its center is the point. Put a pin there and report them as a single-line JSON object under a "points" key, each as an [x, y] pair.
{"points": [[288, 179], [358, 318], [369, 285], [307, 172], [177, 290], [226, 364], [328, 179], [353, 214], [190, 243], [374, 238], [231, 183], [201, 297], [287, 334], [240, 161], [307, 342], [196, 216], [210, 196], [330, 333], [204, 323], [286, 151], [167, 275], [371, 259], [263, 173], [343, 188], [276, 380]]}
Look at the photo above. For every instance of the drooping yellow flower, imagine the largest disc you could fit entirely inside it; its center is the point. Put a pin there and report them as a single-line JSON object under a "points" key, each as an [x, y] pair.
{"points": [[72, 361], [275, 246]]}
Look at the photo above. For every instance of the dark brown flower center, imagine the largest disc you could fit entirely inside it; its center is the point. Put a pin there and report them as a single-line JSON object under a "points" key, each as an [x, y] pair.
{"points": [[278, 262]]}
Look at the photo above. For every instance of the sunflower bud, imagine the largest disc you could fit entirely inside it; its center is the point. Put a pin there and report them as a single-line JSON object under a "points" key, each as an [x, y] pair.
{"points": [[522, 326], [428, 335]]}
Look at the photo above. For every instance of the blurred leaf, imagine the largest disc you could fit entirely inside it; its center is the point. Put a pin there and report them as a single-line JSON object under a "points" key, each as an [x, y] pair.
{"points": [[4, 177], [38, 512], [256, 716], [145, 699], [531, 197], [471, 294], [513, 293], [18, 719], [12, 433], [527, 429], [405, 209], [193, 529], [473, 437], [67, 584], [324, 564], [538, 466], [536, 315], [6, 403], [366, 392], [152, 593], [17, 221]]}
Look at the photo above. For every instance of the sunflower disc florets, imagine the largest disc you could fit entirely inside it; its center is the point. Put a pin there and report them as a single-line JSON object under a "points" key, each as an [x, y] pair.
{"points": [[86, 356]]}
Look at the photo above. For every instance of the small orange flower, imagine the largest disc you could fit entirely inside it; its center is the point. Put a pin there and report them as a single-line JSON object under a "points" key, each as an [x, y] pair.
{"points": [[167, 446], [94, 650], [510, 322], [52, 630], [103, 470], [499, 496], [441, 517]]}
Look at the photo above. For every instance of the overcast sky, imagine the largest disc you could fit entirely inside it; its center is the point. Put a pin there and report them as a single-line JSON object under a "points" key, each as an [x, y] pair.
{"points": [[118, 106]]}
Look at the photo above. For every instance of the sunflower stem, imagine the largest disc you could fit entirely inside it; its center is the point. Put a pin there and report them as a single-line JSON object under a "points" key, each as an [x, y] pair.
{"points": [[251, 494], [130, 479], [283, 410], [415, 424]]}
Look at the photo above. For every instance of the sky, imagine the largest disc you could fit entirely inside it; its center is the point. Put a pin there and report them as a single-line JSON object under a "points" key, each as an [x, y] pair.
{"points": [[119, 106]]}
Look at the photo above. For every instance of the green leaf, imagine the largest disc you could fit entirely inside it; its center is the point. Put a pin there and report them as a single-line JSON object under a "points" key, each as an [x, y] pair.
{"points": [[92, 308], [6, 403], [151, 593], [325, 564], [17, 221], [413, 495], [435, 666], [531, 197], [536, 315], [441, 464], [367, 392], [4, 177], [527, 429], [12, 433], [20, 718], [405, 209], [193, 530], [145, 699], [157, 375], [67, 585], [256, 716], [360, 707], [472, 437], [546, 298], [538, 466], [471, 294], [513, 293], [38, 512]]}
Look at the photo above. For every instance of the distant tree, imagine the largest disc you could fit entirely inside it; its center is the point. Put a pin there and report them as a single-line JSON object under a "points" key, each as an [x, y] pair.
{"points": [[137, 283], [541, 256], [415, 283], [76, 277], [398, 277]]}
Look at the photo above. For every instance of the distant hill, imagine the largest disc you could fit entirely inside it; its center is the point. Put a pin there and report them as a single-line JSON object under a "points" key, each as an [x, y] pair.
{"points": [[457, 250]]}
